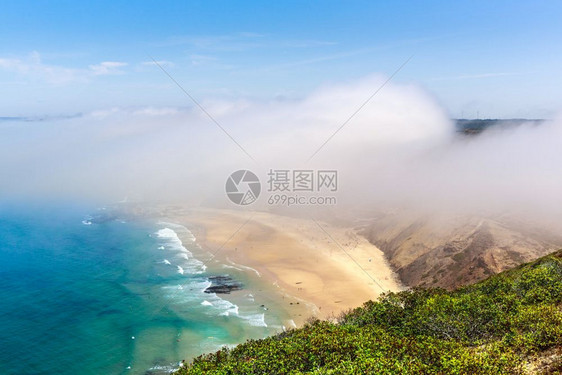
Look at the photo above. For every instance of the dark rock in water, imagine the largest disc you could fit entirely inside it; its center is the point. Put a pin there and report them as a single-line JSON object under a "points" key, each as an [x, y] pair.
{"points": [[222, 285], [222, 289], [103, 218], [100, 218]]}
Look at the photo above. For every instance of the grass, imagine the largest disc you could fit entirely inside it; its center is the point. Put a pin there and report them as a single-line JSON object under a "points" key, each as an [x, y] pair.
{"points": [[498, 326]]}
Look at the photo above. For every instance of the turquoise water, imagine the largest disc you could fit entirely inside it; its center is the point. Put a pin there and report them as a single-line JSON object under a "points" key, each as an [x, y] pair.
{"points": [[111, 296]]}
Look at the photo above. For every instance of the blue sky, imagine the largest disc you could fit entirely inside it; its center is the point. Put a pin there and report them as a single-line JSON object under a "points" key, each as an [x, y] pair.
{"points": [[498, 59]]}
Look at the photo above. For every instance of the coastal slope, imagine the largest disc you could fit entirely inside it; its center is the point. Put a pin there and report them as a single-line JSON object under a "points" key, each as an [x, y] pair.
{"points": [[510, 323], [451, 250]]}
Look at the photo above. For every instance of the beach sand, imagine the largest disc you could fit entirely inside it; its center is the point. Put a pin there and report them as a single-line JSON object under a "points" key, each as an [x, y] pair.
{"points": [[313, 276]]}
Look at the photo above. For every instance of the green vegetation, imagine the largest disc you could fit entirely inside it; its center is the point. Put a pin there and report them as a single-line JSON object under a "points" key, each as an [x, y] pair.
{"points": [[500, 325]]}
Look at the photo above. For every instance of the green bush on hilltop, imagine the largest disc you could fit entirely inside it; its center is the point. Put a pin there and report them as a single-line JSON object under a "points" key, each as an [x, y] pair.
{"points": [[493, 327]]}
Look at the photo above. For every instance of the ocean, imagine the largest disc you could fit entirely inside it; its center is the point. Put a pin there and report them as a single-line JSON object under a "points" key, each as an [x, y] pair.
{"points": [[83, 291]]}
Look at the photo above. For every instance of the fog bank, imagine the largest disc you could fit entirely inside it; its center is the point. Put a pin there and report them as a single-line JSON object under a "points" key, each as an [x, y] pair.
{"points": [[400, 150]]}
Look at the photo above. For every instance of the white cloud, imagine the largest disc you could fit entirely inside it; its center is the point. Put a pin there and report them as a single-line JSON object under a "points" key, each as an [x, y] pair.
{"points": [[226, 42], [475, 76], [202, 59], [241, 41], [154, 111], [147, 111], [108, 68], [158, 62], [33, 67], [400, 150], [308, 43]]}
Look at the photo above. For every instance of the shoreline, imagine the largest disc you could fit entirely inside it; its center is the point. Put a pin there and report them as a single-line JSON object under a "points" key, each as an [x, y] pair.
{"points": [[295, 264], [291, 310]]}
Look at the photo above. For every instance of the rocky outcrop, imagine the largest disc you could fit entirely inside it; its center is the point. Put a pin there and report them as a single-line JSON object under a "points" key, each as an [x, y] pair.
{"points": [[222, 285]]}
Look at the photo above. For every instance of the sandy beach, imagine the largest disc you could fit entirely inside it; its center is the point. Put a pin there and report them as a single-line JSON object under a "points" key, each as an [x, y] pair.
{"points": [[308, 266]]}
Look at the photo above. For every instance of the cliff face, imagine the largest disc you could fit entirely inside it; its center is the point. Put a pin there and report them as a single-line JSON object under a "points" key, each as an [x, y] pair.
{"points": [[449, 251]]}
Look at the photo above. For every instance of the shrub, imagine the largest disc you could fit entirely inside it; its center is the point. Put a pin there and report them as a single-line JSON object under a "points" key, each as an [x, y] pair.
{"points": [[487, 328]]}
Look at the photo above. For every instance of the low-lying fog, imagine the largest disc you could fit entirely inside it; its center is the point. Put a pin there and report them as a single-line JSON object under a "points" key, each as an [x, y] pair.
{"points": [[401, 149]]}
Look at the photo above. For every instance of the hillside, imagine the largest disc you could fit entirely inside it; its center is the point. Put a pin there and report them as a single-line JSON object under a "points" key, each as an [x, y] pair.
{"points": [[449, 251], [477, 126], [510, 323]]}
